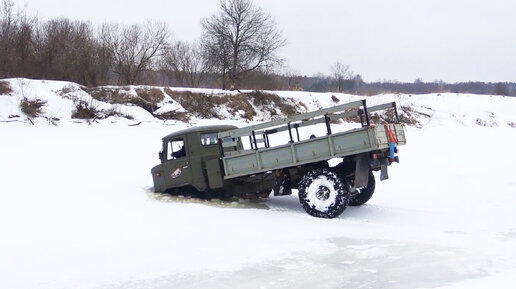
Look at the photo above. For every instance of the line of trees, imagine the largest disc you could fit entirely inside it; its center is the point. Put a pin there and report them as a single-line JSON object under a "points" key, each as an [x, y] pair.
{"points": [[238, 48], [239, 39]]}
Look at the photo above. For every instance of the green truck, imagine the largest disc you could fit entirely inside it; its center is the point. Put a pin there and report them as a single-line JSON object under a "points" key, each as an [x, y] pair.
{"points": [[213, 161]]}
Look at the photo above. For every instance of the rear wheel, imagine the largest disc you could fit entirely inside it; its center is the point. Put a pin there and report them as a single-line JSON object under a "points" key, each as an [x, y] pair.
{"points": [[323, 194], [364, 194]]}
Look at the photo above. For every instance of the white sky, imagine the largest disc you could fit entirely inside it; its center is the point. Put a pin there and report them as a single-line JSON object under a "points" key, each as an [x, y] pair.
{"points": [[452, 40]]}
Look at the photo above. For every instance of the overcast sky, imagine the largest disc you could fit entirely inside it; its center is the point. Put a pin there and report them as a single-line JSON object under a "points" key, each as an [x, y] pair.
{"points": [[450, 40]]}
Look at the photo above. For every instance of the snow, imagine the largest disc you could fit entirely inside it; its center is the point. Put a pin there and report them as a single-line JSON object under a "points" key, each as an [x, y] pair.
{"points": [[76, 208], [321, 203]]}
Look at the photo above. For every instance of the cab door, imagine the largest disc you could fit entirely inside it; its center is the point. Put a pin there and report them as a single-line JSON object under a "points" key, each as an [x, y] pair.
{"points": [[176, 167]]}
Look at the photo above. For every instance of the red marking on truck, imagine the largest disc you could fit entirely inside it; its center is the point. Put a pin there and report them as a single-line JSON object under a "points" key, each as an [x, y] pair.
{"points": [[176, 173]]}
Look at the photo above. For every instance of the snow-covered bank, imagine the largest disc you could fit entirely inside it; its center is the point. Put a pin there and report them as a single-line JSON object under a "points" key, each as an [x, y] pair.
{"points": [[76, 212], [169, 105]]}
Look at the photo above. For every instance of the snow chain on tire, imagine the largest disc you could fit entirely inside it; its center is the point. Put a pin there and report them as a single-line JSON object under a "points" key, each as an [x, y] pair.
{"points": [[323, 194], [364, 194]]}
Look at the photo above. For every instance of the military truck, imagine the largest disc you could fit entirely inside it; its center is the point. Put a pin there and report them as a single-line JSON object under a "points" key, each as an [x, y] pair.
{"points": [[212, 161]]}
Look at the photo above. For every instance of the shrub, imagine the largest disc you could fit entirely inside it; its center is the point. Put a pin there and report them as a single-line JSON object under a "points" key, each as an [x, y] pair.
{"points": [[32, 108], [85, 111], [198, 104], [5, 88], [408, 117], [264, 99], [114, 112], [113, 96], [147, 98], [239, 103], [152, 95], [173, 115]]}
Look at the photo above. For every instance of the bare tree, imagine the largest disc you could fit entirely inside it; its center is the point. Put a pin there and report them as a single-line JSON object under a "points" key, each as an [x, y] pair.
{"points": [[16, 33], [69, 50], [341, 73], [186, 63], [134, 48], [239, 39], [8, 24]]}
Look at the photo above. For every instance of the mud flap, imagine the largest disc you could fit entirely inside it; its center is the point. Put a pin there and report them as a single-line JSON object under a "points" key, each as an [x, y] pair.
{"points": [[282, 183], [361, 170], [384, 174]]}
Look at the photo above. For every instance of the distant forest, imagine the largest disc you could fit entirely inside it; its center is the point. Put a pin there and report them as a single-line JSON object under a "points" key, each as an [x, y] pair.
{"points": [[112, 54]]}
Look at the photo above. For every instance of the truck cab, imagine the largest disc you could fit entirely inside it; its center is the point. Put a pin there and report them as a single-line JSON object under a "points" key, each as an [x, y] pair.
{"points": [[188, 154]]}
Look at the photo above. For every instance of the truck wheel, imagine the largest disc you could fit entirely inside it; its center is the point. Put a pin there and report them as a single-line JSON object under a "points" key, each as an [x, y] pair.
{"points": [[364, 194], [323, 194]]}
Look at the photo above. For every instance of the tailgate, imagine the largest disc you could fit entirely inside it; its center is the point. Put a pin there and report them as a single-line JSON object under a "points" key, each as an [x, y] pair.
{"points": [[382, 138]]}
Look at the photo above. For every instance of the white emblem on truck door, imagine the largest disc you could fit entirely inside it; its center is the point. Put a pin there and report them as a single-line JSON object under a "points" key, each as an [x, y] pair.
{"points": [[176, 173]]}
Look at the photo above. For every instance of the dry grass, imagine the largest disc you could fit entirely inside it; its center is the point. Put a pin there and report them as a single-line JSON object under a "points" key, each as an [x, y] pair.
{"points": [[408, 115], [150, 96], [5, 88], [351, 119], [240, 103], [115, 112], [66, 90], [207, 106], [84, 111], [198, 104], [174, 115], [147, 98], [268, 101], [32, 108], [109, 95]]}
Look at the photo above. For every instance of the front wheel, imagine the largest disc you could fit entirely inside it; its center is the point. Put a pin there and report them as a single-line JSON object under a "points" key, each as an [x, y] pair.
{"points": [[364, 194], [323, 194]]}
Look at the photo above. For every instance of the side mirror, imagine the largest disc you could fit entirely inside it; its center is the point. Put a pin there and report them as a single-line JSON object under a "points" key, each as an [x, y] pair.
{"points": [[160, 154]]}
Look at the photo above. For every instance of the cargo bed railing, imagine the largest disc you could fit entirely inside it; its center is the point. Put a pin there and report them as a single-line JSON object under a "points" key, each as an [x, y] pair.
{"points": [[327, 115]]}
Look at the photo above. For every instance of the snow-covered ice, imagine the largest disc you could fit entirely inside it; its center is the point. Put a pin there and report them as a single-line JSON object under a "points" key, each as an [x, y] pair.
{"points": [[76, 211]]}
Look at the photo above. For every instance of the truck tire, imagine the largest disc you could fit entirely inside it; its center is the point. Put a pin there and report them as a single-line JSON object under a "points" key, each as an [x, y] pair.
{"points": [[323, 194], [364, 194]]}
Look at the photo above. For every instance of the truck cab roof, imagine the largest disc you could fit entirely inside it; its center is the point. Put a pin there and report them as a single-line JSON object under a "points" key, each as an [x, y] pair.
{"points": [[208, 128]]}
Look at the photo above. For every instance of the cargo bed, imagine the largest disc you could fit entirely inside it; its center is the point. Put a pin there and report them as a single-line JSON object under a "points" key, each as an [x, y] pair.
{"points": [[312, 150], [237, 163]]}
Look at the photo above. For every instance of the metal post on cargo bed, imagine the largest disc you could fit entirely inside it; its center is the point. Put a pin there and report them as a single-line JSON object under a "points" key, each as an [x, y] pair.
{"points": [[267, 132], [290, 133], [395, 111], [254, 140], [297, 131], [365, 112], [327, 120], [266, 139], [361, 115]]}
